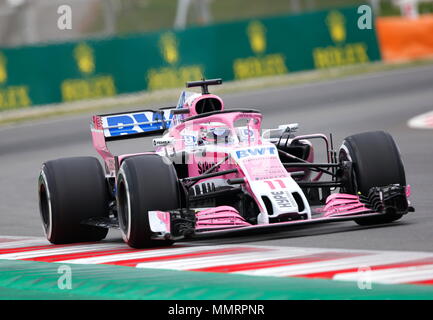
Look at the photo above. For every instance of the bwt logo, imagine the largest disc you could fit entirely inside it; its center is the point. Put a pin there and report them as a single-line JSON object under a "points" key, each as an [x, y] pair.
{"points": [[255, 152]]}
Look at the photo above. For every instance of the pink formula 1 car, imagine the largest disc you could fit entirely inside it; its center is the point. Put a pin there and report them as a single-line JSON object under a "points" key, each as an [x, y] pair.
{"points": [[213, 172]]}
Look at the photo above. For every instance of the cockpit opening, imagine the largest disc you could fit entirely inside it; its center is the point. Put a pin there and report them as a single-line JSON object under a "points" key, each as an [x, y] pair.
{"points": [[205, 105]]}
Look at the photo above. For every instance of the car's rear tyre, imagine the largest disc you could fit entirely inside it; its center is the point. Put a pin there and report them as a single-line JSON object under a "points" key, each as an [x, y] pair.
{"points": [[144, 183], [376, 163], [72, 190]]}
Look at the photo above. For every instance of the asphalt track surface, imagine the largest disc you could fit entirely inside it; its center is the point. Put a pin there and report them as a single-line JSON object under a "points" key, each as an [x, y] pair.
{"points": [[379, 101]]}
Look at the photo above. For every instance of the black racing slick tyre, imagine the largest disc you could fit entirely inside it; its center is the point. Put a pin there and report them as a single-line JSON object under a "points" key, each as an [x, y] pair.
{"points": [[144, 183], [72, 190], [376, 162]]}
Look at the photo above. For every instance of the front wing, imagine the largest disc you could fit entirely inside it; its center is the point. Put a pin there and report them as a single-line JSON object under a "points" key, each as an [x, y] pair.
{"points": [[225, 220]]}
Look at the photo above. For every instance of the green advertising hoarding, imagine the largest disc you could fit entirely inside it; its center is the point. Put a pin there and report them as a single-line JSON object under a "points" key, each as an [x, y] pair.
{"points": [[246, 49]]}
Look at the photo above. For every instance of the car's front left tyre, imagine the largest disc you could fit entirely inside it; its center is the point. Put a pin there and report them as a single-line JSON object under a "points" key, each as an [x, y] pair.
{"points": [[144, 183]]}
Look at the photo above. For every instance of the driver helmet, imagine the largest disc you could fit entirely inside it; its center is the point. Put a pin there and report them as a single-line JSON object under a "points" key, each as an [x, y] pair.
{"points": [[215, 135]]}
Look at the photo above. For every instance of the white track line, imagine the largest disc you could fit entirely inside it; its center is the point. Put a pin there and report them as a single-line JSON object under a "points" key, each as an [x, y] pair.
{"points": [[23, 243], [62, 250], [337, 264], [263, 253], [21, 238], [394, 275], [220, 260], [142, 254], [422, 121]]}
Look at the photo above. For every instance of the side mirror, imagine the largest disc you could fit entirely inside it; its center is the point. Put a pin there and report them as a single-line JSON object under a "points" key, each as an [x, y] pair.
{"points": [[284, 128], [290, 127]]}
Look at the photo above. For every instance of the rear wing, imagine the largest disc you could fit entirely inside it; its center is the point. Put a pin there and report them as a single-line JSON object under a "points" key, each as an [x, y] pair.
{"points": [[126, 125], [134, 124]]}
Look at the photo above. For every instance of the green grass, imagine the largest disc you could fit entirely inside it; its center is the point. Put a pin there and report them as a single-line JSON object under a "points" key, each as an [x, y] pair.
{"points": [[39, 280]]}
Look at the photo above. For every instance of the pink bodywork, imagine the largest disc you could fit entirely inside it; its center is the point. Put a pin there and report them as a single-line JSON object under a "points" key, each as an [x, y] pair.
{"points": [[339, 204], [226, 217], [178, 125], [219, 217], [100, 145]]}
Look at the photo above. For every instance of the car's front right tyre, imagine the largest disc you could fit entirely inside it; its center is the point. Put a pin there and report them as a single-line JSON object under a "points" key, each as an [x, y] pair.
{"points": [[72, 190], [376, 163]]}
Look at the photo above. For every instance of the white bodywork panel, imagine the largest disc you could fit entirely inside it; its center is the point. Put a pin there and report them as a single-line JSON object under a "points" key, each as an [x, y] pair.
{"points": [[268, 178]]}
